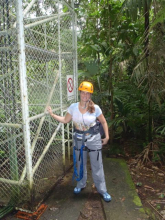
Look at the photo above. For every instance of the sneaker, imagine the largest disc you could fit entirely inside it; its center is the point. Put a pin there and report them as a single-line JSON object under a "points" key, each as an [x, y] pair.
{"points": [[77, 190], [106, 197]]}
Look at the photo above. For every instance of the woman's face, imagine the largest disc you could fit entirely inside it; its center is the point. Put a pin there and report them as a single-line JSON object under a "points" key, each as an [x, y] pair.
{"points": [[85, 96]]}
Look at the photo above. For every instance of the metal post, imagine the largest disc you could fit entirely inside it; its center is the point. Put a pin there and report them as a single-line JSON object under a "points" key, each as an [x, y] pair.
{"points": [[24, 94], [60, 69], [74, 42], [68, 143], [76, 61], [46, 66]]}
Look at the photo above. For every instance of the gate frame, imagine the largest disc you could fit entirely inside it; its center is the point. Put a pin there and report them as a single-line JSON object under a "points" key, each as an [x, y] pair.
{"points": [[28, 169]]}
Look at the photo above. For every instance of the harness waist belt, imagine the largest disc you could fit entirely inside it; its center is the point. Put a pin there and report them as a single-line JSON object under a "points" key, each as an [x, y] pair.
{"points": [[84, 149], [94, 150], [87, 149], [92, 130], [80, 136]]}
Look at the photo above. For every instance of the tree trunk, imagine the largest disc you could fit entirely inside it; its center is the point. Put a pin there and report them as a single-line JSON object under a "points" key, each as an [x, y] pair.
{"points": [[146, 51], [146, 41]]}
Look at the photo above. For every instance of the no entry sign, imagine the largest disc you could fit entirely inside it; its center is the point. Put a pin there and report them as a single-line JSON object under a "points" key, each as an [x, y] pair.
{"points": [[70, 87]]}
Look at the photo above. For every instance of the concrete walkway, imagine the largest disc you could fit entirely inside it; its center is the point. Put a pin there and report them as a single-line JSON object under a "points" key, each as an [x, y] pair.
{"points": [[125, 204]]}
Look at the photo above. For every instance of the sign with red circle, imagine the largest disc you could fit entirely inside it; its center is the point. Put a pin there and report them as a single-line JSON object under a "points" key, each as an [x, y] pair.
{"points": [[70, 87], [70, 84]]}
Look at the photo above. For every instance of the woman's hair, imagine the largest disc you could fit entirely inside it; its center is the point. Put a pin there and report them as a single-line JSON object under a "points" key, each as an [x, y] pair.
{"points": [[91, 107]]}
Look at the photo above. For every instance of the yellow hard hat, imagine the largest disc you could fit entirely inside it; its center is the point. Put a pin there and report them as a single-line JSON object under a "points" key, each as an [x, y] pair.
{"points": [[86, 86]]}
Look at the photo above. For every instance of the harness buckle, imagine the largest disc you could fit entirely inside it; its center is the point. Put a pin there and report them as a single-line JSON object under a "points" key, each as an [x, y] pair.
{"points": [[80, 136]]}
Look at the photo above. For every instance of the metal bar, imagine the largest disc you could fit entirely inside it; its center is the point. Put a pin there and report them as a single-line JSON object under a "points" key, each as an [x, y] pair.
{"points": [[8, 32], [37, 116], [74, 55], [6, 75], [40, 105], [10, 125], [63, 146], [75, 61], [43, 114], [5, 49], [46, 148], [60, 69], [49, 37], [27, 9], [8, 105], [38, 53], [13, 182], [70, 7], [44, 20], [47, 77], [24, 94], [38, 18], [72, 135], [68, 142]]}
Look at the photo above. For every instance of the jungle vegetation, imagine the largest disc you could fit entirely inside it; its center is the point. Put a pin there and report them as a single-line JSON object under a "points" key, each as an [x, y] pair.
{"points": [[121, 48]]}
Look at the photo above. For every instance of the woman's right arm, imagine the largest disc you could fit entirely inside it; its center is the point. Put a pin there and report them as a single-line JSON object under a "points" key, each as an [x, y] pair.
{"points": [[63, 119]]}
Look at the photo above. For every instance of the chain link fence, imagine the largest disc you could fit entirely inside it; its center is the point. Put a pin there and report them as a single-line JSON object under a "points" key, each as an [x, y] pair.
{"points": [[38, 67]]}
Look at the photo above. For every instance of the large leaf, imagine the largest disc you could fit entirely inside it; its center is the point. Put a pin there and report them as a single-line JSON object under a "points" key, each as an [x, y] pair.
{"points": [[96, 47], [92, 67]]}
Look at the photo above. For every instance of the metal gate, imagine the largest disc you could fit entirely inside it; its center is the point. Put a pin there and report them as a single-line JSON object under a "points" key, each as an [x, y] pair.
{"points": [[38, 67]]}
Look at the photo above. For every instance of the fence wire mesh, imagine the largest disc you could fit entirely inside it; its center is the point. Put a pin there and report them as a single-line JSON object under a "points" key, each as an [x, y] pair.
{"points": [[29, 170]]}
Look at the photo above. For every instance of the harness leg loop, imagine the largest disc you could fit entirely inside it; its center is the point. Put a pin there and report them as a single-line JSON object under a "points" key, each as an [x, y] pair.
{"points": [[97, 155]]}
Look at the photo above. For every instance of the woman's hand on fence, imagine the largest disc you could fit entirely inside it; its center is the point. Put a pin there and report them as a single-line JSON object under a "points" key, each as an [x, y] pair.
{"points": [[105, 141], [49, 109]]}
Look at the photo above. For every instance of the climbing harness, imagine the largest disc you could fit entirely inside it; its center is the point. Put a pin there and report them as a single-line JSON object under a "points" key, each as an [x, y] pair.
{"points": [[82, 136]]}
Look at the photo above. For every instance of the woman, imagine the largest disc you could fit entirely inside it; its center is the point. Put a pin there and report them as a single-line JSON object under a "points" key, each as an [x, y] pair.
{"points": [[87, 139]]}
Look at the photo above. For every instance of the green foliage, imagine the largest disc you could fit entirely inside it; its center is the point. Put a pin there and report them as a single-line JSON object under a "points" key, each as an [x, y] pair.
{"points": [[130, 110], [115, 33], [139, 184], [2, 153], [92, 67], [161, 196], [160, 16], [65, 9], [135, 7], [116, 149]]}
